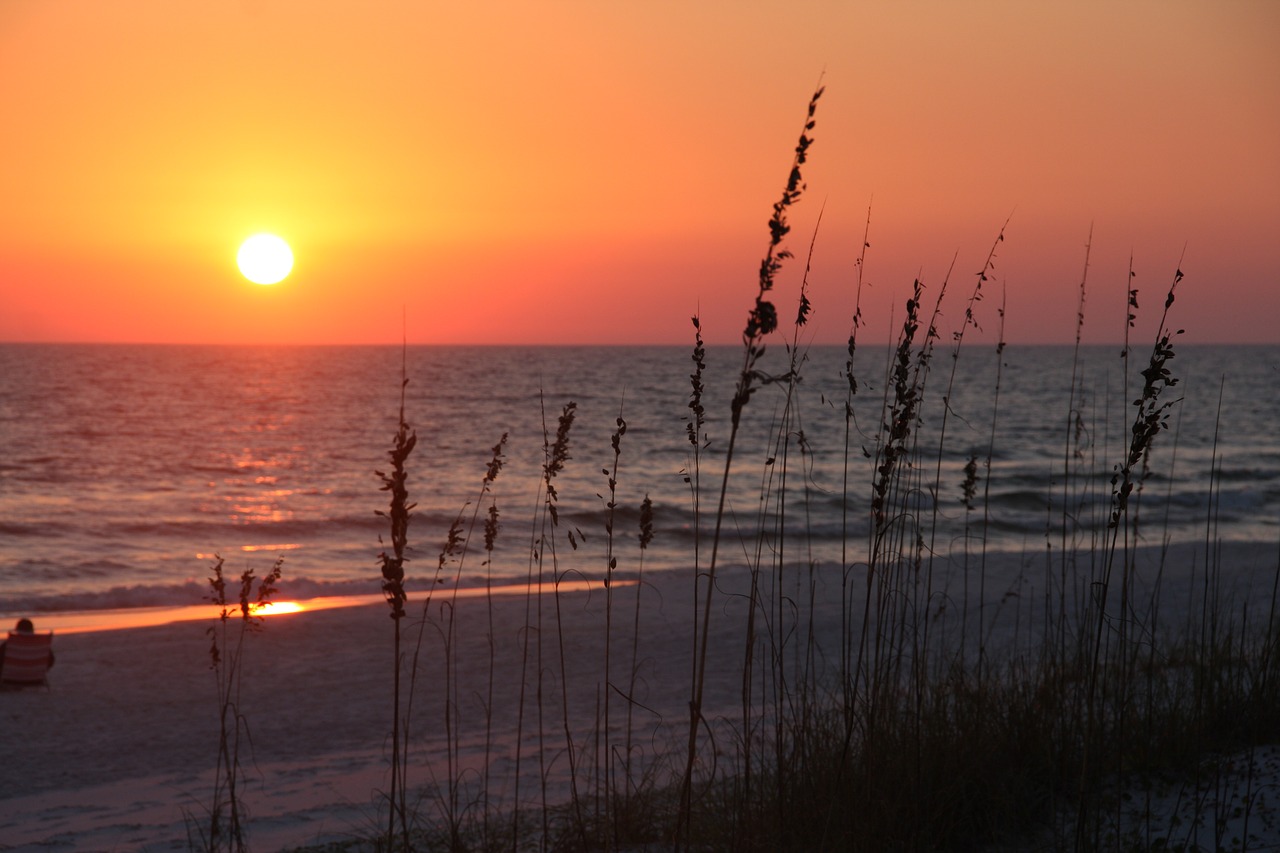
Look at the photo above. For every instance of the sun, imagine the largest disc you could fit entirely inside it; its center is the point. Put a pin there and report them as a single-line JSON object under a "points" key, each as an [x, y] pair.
{"points": [[265, 259]]}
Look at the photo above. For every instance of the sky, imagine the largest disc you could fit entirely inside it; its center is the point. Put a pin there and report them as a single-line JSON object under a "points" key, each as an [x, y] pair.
{"points": [[592, 171]]}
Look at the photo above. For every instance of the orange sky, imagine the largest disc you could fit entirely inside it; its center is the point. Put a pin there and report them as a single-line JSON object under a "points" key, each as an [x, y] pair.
{"points": [[597, 171]]}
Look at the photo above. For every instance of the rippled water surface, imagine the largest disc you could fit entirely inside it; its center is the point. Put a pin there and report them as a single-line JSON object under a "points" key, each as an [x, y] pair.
{"points": [[124, 469]]}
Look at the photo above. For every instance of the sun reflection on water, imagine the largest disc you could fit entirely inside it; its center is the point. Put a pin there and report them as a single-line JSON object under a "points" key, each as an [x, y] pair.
{"points": [[142, 617]]}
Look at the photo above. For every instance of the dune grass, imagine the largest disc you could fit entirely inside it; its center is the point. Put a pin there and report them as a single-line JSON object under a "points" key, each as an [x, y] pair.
{"points": [[939, 718], [224, 825]]}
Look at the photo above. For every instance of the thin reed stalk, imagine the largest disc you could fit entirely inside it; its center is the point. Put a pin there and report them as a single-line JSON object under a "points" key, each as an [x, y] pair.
{"points": [[454, 551], [393, 591], [761, 321], [611, 565], [850, 423], [1150, 420], [491, 527], [695, 429], [543, 554], [986, 494], [970, 320], [226, 827], [645, 537]]}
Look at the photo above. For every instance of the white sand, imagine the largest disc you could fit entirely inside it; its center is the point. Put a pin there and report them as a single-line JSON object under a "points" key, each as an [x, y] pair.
{"points": [[119, 753]]}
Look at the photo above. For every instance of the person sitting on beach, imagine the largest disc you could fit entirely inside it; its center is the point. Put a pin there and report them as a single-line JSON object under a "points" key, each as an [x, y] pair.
{"points": [[24, 626]]}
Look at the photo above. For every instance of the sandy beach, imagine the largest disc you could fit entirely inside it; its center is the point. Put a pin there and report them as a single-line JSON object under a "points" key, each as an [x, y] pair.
{"points": [[118, 754], [120, 750]]}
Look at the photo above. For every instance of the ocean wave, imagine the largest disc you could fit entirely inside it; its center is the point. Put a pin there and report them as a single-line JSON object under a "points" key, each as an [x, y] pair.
{"points": [[1244, 475], [67, 570], [204, 468], [9, 528]]}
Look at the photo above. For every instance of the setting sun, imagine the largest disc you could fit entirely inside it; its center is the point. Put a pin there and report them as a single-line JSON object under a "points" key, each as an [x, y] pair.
{"points": [[265, 259]]}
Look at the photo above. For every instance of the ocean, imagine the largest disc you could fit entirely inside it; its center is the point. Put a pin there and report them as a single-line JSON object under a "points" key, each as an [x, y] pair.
{"points": [[125, 469]]}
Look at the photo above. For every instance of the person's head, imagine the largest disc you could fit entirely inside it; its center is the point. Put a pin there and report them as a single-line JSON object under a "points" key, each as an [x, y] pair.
{"points": [[24, 626]]}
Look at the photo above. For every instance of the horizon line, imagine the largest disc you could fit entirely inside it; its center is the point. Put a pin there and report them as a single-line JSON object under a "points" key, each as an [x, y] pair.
{"points": [[615, 345]]}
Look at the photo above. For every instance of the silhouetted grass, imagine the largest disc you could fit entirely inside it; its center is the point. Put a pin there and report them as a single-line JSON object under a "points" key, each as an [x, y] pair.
{"points": [[943, 715], [393, 574], [226, 818]]}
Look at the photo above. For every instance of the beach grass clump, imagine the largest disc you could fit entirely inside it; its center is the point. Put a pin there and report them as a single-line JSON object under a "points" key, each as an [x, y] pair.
{"points": [[762, 320], [943, 714], [225, 827], [393, 589]]}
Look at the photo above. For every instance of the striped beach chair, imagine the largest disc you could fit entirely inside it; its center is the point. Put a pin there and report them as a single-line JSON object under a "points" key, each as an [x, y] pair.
{"points": [[27, 658]]}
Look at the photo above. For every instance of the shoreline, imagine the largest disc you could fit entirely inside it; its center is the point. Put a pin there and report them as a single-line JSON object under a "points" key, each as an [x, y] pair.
{"points": [[1257, 556], [69, 622]]}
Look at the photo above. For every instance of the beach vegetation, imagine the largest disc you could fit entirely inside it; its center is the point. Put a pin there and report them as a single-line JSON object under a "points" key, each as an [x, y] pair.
{"points": [[1054, 713], [224, 827], [393, 589]]}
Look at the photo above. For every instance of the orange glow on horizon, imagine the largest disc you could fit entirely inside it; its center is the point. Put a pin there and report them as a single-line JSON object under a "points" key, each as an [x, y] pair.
{"points": [[606, 171]]}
